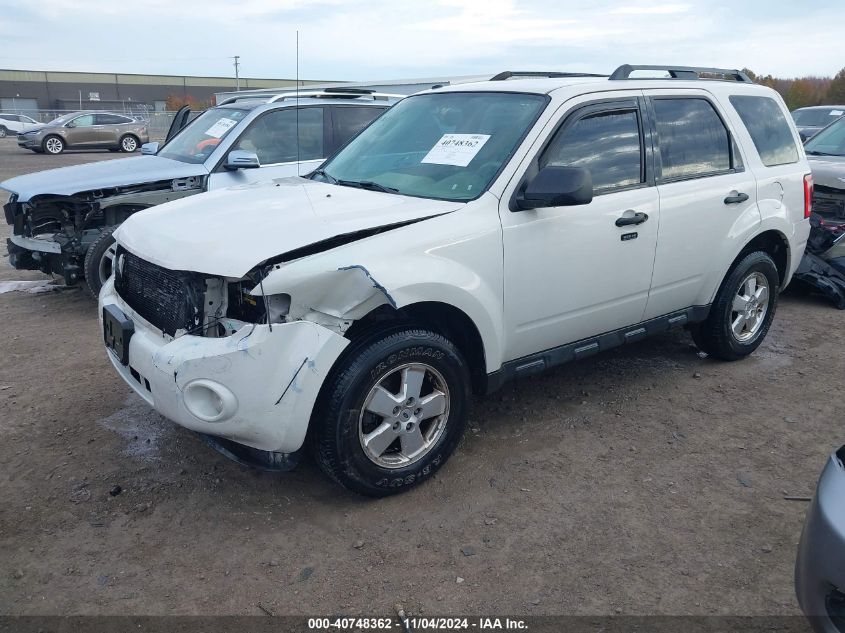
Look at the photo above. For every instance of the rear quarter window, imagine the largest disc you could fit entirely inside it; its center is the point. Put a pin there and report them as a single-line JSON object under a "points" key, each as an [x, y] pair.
{"points": [[765, 122]]}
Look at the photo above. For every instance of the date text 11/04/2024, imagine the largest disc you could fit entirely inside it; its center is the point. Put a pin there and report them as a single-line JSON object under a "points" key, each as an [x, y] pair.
{"points": [[417, 624]]}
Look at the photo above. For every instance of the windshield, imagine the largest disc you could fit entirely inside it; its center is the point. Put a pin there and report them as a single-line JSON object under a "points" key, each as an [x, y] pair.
{"points": [[194, 143], [829, 142], [816, 117], [62, 119], [447, 146]]}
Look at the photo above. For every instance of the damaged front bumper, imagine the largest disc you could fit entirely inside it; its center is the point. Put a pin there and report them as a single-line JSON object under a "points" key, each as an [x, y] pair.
{"points": [[256, 387], [46, 255]]}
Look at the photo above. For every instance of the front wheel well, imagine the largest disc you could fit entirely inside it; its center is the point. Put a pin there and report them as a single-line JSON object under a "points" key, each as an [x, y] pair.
{"points": [[775, 245], [120, 213], [438, 317]]}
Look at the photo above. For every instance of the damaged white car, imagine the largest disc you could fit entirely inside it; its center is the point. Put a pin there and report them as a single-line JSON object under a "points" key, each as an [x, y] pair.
{"points": [[471, 235], [62, 220]]}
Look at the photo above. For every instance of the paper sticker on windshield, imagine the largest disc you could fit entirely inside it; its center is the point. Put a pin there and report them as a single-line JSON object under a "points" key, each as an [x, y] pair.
{"points": [[836, 112], [220, 128], [456, 149]]}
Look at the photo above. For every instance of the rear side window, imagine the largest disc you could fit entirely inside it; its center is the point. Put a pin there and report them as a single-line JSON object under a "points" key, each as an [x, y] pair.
{"points": [[693, 140], [111, 119], [768, 128], [349, 120], [607, 143]]}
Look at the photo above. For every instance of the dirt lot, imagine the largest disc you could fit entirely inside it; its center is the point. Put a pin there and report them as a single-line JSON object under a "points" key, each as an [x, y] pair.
{"points": [[645, 481]]}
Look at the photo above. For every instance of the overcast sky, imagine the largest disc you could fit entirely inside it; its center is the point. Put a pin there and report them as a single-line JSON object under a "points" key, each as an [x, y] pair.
{"points": [[377, 39]]}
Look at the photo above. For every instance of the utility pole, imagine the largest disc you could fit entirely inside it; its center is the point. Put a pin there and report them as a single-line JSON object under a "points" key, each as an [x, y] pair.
{"points": [[237, 78]]}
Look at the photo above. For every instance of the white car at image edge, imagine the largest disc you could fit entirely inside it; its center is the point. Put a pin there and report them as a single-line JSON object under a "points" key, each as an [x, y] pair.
{"points": [[13, 124], [471, 235]]}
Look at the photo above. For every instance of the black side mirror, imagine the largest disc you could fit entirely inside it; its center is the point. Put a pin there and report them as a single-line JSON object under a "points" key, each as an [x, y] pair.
{"points": [[555, 186]]}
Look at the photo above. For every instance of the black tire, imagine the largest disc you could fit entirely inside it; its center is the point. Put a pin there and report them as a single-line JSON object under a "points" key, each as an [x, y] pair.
{"points": [[94, 261], [3, 132], [715, 335], [53, 144], [129, 143], [339, 420]]}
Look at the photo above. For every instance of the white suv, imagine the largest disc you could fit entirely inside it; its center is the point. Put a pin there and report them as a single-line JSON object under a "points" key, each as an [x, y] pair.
{"points": [[471, 235], [11, 124]]}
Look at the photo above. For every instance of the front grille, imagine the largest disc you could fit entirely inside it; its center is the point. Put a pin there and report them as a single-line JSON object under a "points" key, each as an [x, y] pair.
{"points": [[169, 299]]}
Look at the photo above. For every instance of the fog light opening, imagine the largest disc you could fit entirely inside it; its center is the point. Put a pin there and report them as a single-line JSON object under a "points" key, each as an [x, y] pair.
{"points": [[209, 401]]}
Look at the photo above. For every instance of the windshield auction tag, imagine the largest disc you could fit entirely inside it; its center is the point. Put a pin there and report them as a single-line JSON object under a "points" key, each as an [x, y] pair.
{"points": [[221, 127], [836, 113], [456, 149]]}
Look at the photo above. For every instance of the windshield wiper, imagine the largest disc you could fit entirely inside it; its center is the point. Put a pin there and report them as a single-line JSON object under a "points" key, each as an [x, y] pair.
{"points": [[322, 172], [366, 184], [816, 153]]}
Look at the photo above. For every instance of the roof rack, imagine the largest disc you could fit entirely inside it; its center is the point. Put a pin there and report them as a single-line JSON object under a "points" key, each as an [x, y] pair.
{"points": [[333, 93], [681, 72], [253, 97], [351, 91], [532, 73], [326, 93]]}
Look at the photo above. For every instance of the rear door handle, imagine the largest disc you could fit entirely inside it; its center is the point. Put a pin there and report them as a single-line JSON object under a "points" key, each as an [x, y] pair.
{"points": [[735, 198], [627, 220]]}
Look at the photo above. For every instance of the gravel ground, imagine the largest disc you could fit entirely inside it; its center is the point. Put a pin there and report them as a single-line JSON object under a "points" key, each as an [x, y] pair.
{"points": [[648, 480]]}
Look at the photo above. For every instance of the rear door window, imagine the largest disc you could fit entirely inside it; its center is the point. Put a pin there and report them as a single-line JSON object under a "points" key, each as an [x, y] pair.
{"points": [[605, 142], [692, 139], [347, 121], [273, 136], [765, 122], [111, 119]]}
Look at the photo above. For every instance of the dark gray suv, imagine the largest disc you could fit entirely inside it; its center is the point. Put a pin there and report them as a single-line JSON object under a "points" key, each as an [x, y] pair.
{"points": [[86, 130]]}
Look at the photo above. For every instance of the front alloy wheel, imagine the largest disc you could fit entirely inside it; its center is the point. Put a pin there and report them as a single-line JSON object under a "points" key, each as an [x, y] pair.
{"points": [[391, 411], [99, 260], [404, 415], [54, 145]]}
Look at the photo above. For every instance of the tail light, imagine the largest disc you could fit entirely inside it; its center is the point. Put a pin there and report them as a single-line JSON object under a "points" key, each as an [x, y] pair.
{"points": [[808, 195]]}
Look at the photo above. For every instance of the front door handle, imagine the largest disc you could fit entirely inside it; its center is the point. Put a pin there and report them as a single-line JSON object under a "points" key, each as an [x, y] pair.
{"points": [[735, 198], [628, 220]]}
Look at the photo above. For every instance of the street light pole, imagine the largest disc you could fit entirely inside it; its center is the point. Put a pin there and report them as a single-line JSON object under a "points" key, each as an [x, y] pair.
{"points": [[237, 78]]}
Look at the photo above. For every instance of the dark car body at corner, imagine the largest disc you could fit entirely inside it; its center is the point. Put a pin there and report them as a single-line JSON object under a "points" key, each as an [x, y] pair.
{"points": [[820, 566], [57, 215]]}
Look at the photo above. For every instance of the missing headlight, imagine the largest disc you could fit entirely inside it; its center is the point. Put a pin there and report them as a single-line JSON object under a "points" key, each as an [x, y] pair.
{"points": [[254, 309]]}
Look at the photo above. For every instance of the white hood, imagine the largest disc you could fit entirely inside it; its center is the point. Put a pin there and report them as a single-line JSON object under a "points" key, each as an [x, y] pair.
{"points": [[229, 231]]}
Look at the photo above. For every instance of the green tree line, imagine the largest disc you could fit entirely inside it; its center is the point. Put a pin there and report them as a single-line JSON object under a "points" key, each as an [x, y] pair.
{"points": [[805, 91]]}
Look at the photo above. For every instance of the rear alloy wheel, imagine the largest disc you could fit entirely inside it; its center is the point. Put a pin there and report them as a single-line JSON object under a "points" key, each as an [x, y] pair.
{"points": [[53, 145], [3, 132], [99, 261], [391, 412], [128, 144], [743, 310]]}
